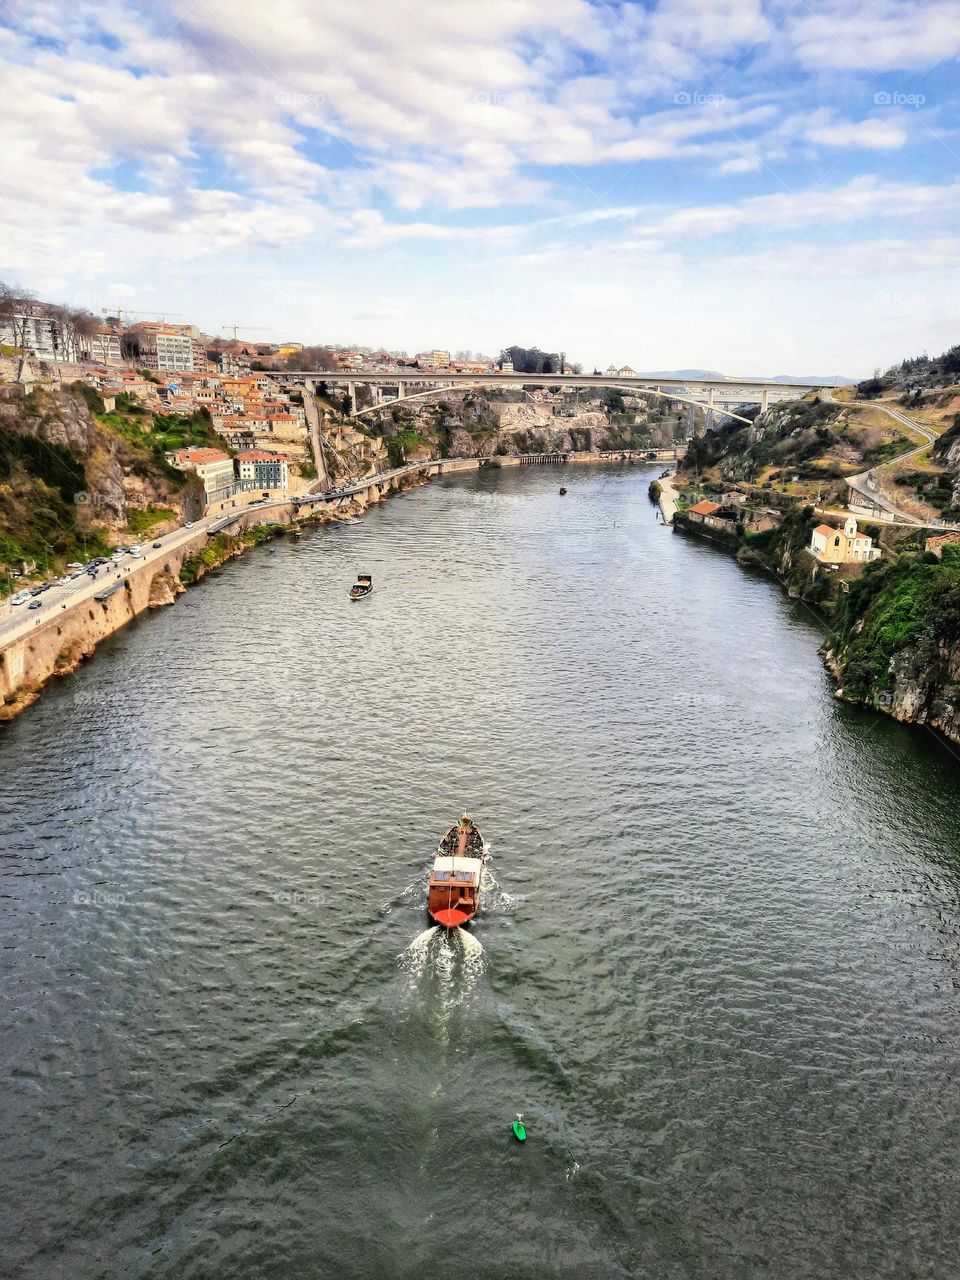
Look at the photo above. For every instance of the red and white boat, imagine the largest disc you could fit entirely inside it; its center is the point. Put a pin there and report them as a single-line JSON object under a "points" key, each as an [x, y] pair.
{"points": [[454, 890]]}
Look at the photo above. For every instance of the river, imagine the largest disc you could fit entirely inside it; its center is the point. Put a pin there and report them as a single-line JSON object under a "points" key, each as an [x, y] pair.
{"points": [[718, 971]]}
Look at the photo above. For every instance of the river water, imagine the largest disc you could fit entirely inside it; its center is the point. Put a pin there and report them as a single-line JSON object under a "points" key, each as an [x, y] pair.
{"points": [[717, 970]]}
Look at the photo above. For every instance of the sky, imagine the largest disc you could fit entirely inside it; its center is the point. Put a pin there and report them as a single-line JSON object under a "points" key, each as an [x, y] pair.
{"points": [[752, 186]]}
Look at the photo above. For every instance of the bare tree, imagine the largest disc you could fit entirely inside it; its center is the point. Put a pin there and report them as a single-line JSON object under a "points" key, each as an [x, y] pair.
{"points": [[16, 307], [311, 358]]}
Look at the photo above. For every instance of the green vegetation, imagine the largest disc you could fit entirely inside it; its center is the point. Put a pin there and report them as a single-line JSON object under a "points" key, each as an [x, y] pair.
{"points": [[920, 371], [934, 487], [141, 520], [910, 604], [38, 517], [397, 448], [221, 547]]}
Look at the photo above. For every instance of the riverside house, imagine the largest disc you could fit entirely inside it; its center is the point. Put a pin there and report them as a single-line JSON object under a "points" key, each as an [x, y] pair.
{"points": [[713, 515], [939, 541], [212, 466], [842, 546]]}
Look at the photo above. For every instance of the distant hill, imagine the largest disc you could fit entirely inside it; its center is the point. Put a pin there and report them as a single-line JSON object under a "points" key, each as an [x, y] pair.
{"points": [[790, 379]]}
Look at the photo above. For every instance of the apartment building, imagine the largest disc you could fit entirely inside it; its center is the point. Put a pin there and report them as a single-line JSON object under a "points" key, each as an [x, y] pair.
{"points": [[257, 469], [168, 348], [212, 466]]}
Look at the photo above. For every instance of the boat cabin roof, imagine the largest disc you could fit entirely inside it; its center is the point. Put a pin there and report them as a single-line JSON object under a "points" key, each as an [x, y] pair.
{"points": [[463, 869]]}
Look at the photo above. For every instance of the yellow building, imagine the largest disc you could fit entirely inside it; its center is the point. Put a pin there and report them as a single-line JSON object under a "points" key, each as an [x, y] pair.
{"points": [[842, 546]]}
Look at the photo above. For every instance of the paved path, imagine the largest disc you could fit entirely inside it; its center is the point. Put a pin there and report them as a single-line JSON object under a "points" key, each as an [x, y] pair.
{"points": [[866, 483]]}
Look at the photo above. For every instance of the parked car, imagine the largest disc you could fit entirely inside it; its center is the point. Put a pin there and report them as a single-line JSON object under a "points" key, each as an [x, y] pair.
{"points": [[188, 524], [36, 604], [156, 546]]}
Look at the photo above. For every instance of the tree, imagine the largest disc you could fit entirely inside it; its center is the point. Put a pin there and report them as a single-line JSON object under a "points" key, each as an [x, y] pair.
{"points": [[529, 360], [311, 358], [16, 308]]}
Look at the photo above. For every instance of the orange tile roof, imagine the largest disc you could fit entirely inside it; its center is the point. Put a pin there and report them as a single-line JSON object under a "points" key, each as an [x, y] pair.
{"points": [[825, 529], [203, 455], [705, 508]]}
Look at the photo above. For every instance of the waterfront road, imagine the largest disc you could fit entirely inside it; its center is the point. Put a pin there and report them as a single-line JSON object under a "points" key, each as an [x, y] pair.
{"points": [[21, 620], [866, 483]]}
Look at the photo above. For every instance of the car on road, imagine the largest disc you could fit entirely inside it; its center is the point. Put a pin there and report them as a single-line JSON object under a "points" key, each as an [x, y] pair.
{"points": [[21, 597], [157, 546], [36, 604], [64, 581], [188, 524]]}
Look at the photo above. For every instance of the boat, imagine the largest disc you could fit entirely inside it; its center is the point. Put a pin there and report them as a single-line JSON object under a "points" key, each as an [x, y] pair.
{"points": [[562, 491], [362, 587], [453, 896]]}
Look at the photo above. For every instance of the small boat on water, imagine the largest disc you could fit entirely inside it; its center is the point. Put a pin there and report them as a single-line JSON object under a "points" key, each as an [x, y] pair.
{"points": [[454, 889], [362, 587], [562, 490]]}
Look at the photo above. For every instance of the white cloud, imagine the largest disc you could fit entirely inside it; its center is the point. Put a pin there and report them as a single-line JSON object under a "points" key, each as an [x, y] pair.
{"points": [[875, 35]]}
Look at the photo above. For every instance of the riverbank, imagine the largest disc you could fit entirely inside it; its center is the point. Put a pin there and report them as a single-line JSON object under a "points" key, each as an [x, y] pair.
{"points": [[666, 497], [55, 644], [892, 640]]}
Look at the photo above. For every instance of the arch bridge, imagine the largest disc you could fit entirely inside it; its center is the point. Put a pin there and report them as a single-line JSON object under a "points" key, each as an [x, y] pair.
{"points": [[704, 393], [710, 406]]}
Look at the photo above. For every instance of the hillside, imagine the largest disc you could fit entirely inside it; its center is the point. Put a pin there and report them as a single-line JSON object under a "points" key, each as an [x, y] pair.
{"points": [[806, 448], [498, 423], [75, 480], [916, 373], [896, 643]]}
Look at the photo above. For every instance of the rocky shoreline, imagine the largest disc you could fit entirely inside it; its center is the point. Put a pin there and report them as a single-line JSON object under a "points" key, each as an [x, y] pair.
{"points": [[918, 685]]}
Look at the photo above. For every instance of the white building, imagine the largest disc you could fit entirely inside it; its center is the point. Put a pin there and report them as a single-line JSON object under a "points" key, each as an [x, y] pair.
{"points": [[38, 334], [167, 348], [214, 468], [103, 346], [257, 469]]}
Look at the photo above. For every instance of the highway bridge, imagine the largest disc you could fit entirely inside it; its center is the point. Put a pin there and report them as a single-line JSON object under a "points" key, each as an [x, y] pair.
{"points": [[721, 395]]}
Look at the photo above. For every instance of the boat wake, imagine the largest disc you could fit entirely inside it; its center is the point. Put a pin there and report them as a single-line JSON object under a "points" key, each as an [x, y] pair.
{"points": [[495, 898], [453, 959]]}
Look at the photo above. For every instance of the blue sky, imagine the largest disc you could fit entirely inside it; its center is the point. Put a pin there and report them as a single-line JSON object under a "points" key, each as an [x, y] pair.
{"points": [[748, 186]]}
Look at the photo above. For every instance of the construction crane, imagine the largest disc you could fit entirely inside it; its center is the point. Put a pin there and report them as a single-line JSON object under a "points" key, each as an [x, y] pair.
{"points": [[234, 327], [120, 312]]}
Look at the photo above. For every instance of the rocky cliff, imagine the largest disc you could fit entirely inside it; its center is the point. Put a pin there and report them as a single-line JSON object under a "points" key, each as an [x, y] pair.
{"points": [[478, 425], [69, 481], [896, 645]]}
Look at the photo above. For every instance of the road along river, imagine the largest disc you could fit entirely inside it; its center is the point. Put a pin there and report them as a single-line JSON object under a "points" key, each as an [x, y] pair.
{"points": [[717, 970]]}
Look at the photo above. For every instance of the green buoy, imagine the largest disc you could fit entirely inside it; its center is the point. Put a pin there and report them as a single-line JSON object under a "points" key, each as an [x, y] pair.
{"points": [[519, 1131]]}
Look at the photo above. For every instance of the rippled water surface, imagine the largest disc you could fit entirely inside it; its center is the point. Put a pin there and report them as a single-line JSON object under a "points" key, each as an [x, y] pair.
{"points": [[717, 970]]}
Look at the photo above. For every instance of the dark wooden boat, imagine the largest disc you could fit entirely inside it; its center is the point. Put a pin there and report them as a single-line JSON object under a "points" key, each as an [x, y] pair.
{"points": [[453, 896], [362, 587], [562, 491]]}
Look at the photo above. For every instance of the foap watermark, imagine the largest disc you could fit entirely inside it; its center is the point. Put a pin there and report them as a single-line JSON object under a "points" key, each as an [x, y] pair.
{"points": [[296, 898], [685, 698], [294, 100], [696, 898], [98, 898], [902, 301], [694, 98], [896, 98], [84, 498], [497, 98]]}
